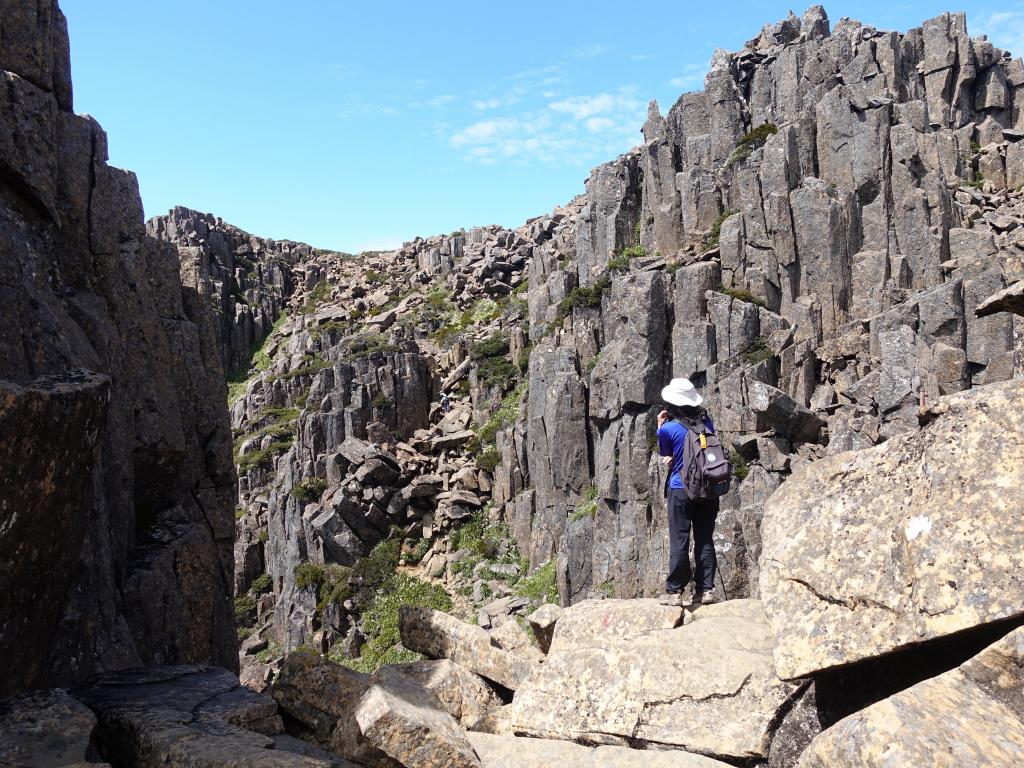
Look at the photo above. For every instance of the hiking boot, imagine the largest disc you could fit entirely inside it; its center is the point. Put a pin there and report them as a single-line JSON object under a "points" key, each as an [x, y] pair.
{"points": [[673, 599], [707, 598]]}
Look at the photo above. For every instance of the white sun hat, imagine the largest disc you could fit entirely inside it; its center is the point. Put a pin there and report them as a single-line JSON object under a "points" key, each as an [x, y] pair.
{"points": [[681, 392]]}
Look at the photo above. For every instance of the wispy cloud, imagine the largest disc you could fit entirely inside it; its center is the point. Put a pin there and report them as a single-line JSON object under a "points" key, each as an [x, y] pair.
{"points": [[574, 130], [692, 77], [1004, 28], [589, 51], [437, 102]]}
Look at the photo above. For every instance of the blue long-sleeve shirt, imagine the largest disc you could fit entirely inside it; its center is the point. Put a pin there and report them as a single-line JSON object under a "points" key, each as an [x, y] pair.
{"points": [[671, 441]]}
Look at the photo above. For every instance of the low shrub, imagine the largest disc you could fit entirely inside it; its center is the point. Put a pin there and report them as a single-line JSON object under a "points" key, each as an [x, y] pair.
{"points": [[540, 586], [261, 584], [310, 489]]}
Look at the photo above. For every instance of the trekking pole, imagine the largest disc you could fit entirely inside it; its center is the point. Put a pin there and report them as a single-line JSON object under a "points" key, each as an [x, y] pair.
{"points": [[717, 568]]}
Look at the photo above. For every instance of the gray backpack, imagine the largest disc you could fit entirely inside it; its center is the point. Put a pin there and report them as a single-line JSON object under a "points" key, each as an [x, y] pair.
{"points": [[706, 471]]}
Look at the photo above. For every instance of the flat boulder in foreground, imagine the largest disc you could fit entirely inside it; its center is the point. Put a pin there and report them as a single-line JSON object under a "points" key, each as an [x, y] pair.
{"points": [[921, 537], [707, 686]]}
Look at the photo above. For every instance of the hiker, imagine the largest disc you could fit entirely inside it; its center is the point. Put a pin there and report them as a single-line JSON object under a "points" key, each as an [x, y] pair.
{"points": [[446, 404], [689, 448]]}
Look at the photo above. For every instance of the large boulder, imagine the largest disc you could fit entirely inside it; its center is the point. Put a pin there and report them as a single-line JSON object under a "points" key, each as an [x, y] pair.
{"points": [[972, 715], [45, 728], [191, 716], [517, 752], [1008, 300], [593, 622], [375, 719], [708, 686], [437, 635], [920, 537]]}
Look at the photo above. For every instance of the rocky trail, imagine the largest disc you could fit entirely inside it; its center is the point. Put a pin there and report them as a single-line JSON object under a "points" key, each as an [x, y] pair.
{"points": [[264, 504]]}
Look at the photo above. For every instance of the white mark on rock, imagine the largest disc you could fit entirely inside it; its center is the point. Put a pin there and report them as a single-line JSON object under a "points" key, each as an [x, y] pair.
{"points": [[918, 525]]}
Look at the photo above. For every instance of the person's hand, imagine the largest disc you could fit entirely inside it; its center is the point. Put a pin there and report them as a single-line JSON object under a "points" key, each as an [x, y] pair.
{"points": [[662, 418], [666, 460]]}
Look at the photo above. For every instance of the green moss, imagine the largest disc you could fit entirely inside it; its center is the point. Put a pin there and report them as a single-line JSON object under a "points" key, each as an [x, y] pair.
{"points": [[587, 506], [310, 489], [505, 416], [264, 537], [381, 401], [239, 513], [540, 586], [607, 588], [582, 297]]}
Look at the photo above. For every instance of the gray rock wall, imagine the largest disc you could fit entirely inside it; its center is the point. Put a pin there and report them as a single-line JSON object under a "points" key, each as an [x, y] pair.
{"points": [[115, 530]]}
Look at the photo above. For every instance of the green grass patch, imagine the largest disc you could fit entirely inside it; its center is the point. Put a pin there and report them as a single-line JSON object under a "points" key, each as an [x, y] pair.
{"points": [[489, 459], [380, 620], [714, 235], [367, 344], [750, 141], [540, 585], [316, 297], [257, 361], [742, 294], [587, 506], [263, 456]]}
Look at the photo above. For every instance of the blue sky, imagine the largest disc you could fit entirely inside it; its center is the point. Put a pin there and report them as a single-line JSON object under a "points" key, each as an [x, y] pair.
{"points": [[356, 126]]}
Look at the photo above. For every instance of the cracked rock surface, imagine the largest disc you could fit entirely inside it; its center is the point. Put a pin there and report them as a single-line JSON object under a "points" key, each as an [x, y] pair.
{"points": [[708, 686], [972, 715], [871, 551]]}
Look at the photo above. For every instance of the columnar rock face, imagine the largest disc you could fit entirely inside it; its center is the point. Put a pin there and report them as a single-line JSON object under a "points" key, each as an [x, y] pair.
{"points": [[807, 239], [118, 482], [246, 279], [868, 552]]}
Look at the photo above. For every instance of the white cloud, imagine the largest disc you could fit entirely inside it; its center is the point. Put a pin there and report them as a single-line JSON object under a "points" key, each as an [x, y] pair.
{"points": [[692, 78], [577, 130], [1004, 28], [435, 103], [597, 124]]}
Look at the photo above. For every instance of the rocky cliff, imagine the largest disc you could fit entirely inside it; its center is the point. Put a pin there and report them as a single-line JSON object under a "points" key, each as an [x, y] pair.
{"points": [[447, 451], [117, 483]]}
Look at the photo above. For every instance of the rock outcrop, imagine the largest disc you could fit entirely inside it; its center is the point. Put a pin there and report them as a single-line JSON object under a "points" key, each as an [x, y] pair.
{"points": [[972, 715], [118, 485], [868, 552]]}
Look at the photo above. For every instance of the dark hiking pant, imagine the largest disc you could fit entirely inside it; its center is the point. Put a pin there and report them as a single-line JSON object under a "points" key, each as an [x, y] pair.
{"points": [[684, 514]]}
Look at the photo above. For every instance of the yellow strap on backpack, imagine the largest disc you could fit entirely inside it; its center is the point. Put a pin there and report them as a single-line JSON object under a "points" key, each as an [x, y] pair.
{"points": [[703, 441]]}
